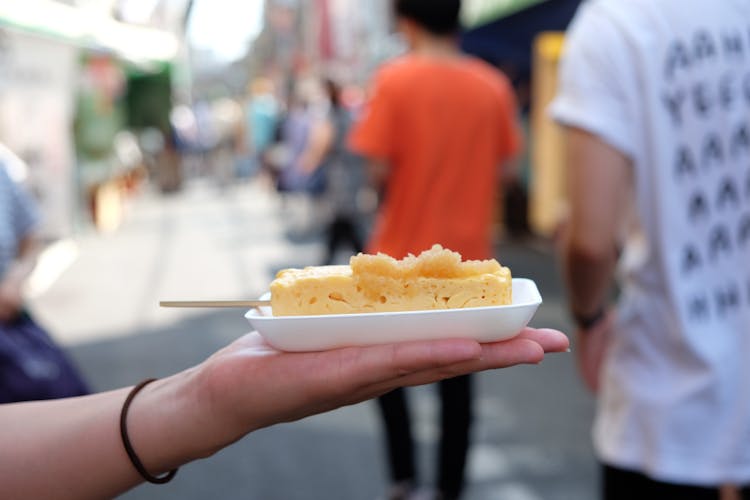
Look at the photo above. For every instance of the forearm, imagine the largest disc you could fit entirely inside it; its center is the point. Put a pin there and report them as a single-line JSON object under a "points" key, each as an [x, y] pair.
{"points": [[12, 281], [378, 171], [599, 181], [72, 448], [65, 449], [21, 268]]}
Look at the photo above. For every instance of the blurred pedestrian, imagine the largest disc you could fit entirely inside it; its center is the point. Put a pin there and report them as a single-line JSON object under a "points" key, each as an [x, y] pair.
{"points": [[261, 121], [655, 97], [344, 174], [228, 120], [32, 366], [438, 128], [306, 134], [296, 131]]}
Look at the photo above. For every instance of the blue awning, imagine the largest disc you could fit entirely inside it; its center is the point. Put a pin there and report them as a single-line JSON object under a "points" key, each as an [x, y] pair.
{"points": [[507, 42], [475, 13]]}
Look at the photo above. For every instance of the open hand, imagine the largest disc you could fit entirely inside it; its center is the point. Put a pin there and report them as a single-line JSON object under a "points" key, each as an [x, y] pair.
{"points": [[251, 385], [591, 348]]}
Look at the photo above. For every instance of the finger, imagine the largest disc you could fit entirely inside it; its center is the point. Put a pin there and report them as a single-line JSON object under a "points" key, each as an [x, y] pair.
{"points": [[498, 355], [365, 366], [550, 340], [519, 350]]}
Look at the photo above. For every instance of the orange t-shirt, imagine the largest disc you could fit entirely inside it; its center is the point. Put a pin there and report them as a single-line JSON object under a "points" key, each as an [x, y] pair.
{"points": [[444, 128]]}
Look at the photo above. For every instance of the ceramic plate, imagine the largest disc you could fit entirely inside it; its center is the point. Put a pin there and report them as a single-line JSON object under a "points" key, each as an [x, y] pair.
{"points": [[317, 333]]}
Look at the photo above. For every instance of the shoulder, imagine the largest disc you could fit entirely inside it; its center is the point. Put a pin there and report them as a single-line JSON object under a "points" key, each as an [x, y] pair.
{"points": [[602, 37], [395, 79], [600, 21], [396, 72], [480, 67], [489, 76]]}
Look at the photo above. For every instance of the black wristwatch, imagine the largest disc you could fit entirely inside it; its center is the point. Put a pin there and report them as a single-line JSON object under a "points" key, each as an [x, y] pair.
{"points": [[588, 321]]}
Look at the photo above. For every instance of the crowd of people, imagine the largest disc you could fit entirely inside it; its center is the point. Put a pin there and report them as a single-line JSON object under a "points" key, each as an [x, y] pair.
{"points": [[653, 97]]}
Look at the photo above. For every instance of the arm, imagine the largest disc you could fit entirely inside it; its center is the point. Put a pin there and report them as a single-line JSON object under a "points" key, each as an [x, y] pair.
{"points": [[377, 173], [71, 448], [598, 185], [318, 146], [510, 170], [11, 286]]}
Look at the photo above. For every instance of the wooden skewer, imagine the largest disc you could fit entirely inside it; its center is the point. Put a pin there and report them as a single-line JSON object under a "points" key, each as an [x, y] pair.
{"points": [[244, 304]]}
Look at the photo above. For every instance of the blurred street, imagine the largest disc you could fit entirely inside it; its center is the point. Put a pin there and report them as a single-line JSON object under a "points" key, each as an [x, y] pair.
{"points": [[532, 423], [189, 150]]}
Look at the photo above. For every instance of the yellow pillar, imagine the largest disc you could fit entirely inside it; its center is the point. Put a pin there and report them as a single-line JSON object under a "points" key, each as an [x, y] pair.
{"points": [[547, 199]]}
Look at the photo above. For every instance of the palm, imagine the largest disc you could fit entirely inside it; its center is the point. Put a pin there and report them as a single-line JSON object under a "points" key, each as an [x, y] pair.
{"points": [[302, 384]]}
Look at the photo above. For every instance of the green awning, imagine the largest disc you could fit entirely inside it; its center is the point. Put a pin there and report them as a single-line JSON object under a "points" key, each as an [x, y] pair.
{"points": [[74, 25], [478, 12]]}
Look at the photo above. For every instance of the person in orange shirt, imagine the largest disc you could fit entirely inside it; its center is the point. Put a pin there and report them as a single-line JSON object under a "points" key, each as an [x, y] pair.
{"points": [[438, 129]]}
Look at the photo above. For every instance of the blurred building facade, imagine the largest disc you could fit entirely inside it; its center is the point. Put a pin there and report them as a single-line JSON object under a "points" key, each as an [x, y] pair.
{"points": [[87, 86], [337, 38], [69, 75]]}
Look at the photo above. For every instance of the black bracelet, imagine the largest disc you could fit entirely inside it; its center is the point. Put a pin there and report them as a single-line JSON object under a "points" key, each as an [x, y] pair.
{"points": [[586, 322], [129, 447]]}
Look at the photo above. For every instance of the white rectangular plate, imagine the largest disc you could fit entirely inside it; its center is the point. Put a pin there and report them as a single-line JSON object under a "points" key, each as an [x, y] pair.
{"points": [[318, 333]]}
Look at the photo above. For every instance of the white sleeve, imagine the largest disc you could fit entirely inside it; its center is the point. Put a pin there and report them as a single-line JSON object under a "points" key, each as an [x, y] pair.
{"points": [[595, 72]]}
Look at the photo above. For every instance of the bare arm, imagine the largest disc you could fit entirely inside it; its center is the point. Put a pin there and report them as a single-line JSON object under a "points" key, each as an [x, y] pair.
{"points": [[599, 182], [11, 286], [71, 448], [378, 171], [598, 185]]}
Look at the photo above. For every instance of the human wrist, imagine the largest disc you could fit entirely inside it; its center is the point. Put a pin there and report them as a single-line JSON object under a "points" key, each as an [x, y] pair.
{"points": [[219, 412], [128, 445], [586, 320], [162, 425]]}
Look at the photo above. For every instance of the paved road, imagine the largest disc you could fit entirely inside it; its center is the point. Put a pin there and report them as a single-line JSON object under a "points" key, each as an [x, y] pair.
{"points": [[532, 423]]}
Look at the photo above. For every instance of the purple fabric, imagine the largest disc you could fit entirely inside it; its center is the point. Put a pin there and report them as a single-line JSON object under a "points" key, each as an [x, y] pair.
{"points": [[295, 132], [33, 367]]}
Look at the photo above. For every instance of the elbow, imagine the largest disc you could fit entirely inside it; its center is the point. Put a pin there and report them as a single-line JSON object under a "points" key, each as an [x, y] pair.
{"points": [[590, 251]]}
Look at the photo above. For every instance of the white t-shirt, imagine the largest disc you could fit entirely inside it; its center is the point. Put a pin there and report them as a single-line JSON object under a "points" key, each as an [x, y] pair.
{"points": [[667, 82]]}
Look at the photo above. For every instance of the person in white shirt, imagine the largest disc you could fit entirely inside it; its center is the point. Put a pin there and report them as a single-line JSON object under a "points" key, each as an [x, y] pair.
{"points": [[655, 98]]}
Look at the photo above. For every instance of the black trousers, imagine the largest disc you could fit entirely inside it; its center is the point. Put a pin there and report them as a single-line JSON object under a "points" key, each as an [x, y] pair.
{"points": [[341, 231], [455, 416], [621, 484]]}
